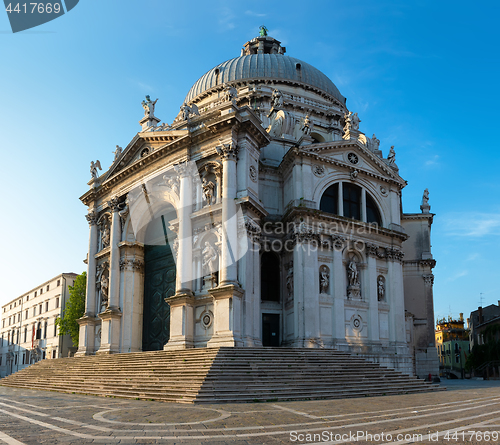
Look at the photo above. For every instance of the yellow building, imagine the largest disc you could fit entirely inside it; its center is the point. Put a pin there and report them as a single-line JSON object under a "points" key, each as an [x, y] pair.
{"points": [[452, 342]]}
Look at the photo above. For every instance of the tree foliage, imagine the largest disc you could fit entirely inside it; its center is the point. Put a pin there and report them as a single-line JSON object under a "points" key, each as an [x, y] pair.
{"points": [[75, 308]]}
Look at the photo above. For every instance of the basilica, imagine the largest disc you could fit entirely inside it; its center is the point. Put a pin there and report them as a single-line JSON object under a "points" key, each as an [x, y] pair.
{"points": [[261, 216]]}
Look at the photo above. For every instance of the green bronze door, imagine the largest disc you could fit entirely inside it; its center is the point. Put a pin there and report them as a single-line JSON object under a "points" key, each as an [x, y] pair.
{"points": [[159, 283]]}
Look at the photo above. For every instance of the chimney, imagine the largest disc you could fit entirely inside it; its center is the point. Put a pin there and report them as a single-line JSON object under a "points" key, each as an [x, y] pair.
{"points": [[480, 314], [461, 316]]}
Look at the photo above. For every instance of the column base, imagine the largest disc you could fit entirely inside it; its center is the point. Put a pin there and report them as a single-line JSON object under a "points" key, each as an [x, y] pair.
{"points": [[176, 344], [181, 321], [110, 331], [86, 343], [224, 339]]}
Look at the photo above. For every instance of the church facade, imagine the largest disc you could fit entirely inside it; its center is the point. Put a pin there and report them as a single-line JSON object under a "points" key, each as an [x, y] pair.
{"points": [[262, 216]]}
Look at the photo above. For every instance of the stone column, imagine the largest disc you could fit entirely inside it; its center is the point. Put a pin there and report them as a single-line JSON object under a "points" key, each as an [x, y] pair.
{"points": [[228, 295], [182, 303], [429, 305], [111, 317], [185, 251], [340, 203], [86, 344], [371, 289], [363, 205], [339, 293], [132, 297]]}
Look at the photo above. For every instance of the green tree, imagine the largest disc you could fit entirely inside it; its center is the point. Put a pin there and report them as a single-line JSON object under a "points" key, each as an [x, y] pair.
{"points": [[75, 308]]}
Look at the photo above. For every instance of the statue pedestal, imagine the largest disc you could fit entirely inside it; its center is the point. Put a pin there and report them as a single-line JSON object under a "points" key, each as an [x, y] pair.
{"points": [[148, 122], [426, 208], [354, 292], [209, 282], [110, 331], [86, 344], [181, 321]]}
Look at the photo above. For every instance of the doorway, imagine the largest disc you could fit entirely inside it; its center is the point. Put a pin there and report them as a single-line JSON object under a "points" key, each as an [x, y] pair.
{"points": [[270, 329]]}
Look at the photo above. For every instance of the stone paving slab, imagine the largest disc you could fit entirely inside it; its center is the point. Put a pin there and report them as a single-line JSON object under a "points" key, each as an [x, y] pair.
{"points": [[44, 417]]}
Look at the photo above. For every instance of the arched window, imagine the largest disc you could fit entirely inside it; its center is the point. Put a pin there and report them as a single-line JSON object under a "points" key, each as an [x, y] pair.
{"points": [[351, 206], [372, 213], [352, 201], [329, 200], [270, 277]]}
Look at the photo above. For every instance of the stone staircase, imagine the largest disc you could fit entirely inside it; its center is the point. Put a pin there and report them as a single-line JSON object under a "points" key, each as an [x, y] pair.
{"points": [[218, 375]]}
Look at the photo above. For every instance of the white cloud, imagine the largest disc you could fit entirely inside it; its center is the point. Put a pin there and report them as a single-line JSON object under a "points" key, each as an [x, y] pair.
{"points": [[254, 14], [458, 275], [226, 18], [472, 225], [433, 161]]}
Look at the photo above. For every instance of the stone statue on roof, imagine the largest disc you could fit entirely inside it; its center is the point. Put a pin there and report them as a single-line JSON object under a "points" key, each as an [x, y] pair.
{"points": [[263, 31], [94, 167], [392, 156], [149, 106]]}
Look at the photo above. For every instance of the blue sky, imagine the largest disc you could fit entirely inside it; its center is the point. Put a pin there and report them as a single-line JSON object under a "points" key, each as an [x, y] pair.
{"points": [[422, 75]]}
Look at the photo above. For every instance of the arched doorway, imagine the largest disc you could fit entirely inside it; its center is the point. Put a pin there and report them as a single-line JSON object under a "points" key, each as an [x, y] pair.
{"points": [[159, 282]]}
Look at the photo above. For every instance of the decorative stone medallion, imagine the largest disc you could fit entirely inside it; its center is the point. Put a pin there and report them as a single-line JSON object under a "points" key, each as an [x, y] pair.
{"points": [[356, 323], [383, 191], [253, 173], [319, 170], [353, 158], [207, 319]]}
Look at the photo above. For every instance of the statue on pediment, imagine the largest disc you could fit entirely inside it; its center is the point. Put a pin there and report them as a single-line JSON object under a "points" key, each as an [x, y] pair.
{"points": [[355, 120], [276, 102], [392, 156], [375, 142], [94, 167], [149, 106], [117, 152]]}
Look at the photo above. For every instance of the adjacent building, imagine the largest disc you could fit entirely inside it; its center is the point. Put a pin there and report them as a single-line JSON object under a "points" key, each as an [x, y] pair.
{"points": [[28, 332], [452, 342], [262, 216]]}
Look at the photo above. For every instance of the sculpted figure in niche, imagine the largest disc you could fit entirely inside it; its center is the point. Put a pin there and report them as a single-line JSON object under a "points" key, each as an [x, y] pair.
{"points": [[392, 156], [149, 106], [353, 274], [324, 280], [381, 288], [105, 236], [208, 192], [94, 167], [289, 281], [209, 258], [104, 292]]}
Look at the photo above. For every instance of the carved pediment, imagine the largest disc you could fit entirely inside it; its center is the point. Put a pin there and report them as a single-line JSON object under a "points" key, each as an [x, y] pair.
{"points": [[143, 145], [356, 156]]}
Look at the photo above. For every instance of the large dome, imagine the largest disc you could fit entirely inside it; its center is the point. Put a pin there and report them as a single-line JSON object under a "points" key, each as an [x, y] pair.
{"points": [[258, 67]]}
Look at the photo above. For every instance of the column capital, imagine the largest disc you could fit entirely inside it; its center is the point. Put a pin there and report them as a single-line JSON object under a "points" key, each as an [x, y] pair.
{"points": [[91, 217], [227, 151], [114, 204], [428, 279], [184, 169]]}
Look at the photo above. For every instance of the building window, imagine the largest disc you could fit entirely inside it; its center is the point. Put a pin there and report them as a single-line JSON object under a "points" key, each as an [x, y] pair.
{"points": [[27, 297], [57, 302], [25, 333], [19, 317], [34, 311], [270, 277], [43, 355], [46, 306], [26, 315], [3, 323], [54, 353], [41, 291], [17, 337], [1, 355], [45, 329], [55, 329], [58, 283], [14, 304], [35, 293], [40, 309], [372, 213], [351, 203], [329, 200], [15, 359], [48, 287]]}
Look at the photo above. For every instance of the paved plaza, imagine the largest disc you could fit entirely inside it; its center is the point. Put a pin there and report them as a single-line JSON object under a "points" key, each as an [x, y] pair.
{"points": [[468, 410]]}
